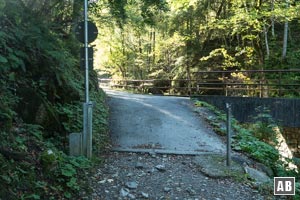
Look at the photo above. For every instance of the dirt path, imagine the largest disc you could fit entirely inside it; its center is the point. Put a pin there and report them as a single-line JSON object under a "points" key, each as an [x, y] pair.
{"points": [[160, 132]]}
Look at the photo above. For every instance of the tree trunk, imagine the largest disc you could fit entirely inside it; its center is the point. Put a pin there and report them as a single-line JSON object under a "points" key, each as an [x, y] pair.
{"points": [[149, 51], [285, 35], [285, 39], [140, 44], [124, 71], [266, 42], [272, 19], [153, 45], [189, 51]]}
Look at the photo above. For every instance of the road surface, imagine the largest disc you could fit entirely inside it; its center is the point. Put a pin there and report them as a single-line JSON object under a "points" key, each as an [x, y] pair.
{"points": [[163, 124]]}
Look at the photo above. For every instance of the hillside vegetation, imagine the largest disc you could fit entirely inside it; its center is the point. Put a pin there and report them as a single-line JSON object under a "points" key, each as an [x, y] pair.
{"points": [[41, 95]]}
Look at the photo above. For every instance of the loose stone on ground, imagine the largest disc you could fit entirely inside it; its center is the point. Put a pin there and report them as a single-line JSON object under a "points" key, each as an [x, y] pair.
{"points": [[132, 185], [177, 177]]}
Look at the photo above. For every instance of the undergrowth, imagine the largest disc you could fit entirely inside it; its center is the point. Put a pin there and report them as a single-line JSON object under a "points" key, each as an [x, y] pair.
{"points": [[36, 166], [257, 139], [41, 95]]}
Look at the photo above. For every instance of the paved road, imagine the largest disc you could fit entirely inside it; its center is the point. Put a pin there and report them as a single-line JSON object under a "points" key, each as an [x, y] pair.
{"points": [[145, 123]]}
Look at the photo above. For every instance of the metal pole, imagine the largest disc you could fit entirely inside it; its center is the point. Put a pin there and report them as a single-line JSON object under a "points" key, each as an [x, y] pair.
{"points": [[228, 128], [85, 129], [86, 51], [86, 123], [89, 131]]}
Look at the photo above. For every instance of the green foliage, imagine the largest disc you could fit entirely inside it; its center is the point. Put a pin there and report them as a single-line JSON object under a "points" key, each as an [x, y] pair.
{"points": [[217, 120], [68, 170], [221, 59], [100, 122], [258, 147], [297, 192], [178, 38], [7, 101], [259, 150], [48, 160], [264, 126], [71, 115], [65, 173], [34, 130], [117, 9], [206, 105], [38, 174], [247, 139], [41, 89]]}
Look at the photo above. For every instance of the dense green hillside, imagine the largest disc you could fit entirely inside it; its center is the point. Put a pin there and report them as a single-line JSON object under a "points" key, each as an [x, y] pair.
{"points": [[41, 95]]}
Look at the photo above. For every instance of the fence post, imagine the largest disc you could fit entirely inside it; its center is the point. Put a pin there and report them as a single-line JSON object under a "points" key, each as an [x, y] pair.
{"points": [[228, 130]]}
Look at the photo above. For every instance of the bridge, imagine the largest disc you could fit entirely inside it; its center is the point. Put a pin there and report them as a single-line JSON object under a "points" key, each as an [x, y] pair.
{"points": [[245, 90], [246, 83]]}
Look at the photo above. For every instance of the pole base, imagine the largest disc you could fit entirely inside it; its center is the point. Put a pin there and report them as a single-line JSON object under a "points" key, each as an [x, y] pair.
{"points": [[75, 144]]}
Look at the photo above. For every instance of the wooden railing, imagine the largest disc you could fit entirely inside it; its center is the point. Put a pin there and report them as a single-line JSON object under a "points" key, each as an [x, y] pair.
{"points": [[258, 83]]}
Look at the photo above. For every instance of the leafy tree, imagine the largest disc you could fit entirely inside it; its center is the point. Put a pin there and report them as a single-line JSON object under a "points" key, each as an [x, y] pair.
{"points": [[176, 39]]}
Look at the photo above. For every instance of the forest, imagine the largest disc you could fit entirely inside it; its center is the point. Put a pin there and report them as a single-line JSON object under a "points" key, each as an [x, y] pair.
{"points": [[41, 83], [176, 40]]}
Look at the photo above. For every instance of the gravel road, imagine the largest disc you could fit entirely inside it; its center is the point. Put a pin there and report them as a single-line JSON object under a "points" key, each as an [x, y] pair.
{"points": [[157, 139], [163, 177]]}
